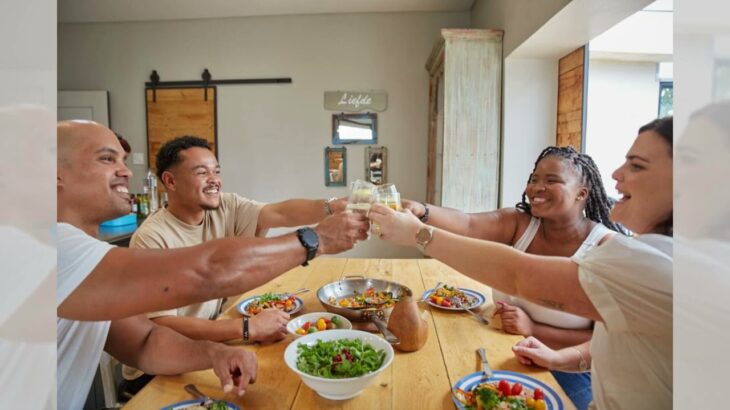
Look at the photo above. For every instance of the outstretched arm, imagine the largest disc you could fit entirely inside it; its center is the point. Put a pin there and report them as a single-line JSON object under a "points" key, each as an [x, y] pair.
{"points": [[499, 226], [296, 212], [128, 282], [138, 342], [549, 281]]}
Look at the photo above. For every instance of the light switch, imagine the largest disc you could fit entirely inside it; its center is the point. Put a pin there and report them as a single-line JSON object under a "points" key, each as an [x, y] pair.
{"points": [[137, 158]]}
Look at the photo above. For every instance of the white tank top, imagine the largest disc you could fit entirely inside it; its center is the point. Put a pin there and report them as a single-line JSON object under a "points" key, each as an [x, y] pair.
{"points": [[539, 313]]}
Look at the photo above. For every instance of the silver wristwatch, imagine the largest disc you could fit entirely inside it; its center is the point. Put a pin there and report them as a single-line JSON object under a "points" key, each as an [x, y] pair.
{"points": [[328, 206]]}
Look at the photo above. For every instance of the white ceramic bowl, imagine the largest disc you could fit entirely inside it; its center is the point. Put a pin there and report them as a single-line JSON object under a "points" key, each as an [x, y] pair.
{"points": [[297, 322], [338, 389]]}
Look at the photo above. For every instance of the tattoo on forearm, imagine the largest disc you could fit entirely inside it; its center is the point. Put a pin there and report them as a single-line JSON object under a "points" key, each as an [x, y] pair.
{"points": [[552, 304]]}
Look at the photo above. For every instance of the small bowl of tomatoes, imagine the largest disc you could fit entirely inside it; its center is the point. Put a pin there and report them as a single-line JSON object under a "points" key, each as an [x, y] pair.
{"points": [[317, 322]]}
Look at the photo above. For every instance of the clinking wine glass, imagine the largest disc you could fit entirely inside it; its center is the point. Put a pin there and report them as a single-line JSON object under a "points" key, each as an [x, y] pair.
{"points": [[362, 195], [389, 196]]}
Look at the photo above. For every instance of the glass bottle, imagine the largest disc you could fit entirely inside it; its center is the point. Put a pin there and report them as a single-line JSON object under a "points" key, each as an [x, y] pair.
{"points": [[134, 201]]}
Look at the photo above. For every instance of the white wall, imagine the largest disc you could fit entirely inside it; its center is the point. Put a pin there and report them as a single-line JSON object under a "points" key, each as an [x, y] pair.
{"points": [[272, 137], [622, 96], [529, 124]]}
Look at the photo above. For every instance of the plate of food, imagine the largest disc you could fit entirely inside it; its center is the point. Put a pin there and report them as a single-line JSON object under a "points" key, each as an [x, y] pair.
{"points": [[255, 304], [449, 298], [504, 390], [197, 404]]}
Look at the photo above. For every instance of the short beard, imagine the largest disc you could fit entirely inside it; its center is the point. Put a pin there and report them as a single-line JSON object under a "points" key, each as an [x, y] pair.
{"points": [[210, 208]]}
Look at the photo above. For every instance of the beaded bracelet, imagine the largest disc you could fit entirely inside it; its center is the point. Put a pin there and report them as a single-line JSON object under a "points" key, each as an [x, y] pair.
{"points": [[424, 217]]}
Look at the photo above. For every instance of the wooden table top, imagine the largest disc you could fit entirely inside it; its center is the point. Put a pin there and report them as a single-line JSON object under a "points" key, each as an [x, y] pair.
{"points": [[421, 379]]}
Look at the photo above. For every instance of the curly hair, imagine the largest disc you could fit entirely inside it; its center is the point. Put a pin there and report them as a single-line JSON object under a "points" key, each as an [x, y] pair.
{"points": [[169, 154], [598, 204]]}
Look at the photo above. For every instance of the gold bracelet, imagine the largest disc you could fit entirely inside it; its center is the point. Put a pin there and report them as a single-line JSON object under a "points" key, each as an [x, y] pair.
{"points": [[582, 364]]}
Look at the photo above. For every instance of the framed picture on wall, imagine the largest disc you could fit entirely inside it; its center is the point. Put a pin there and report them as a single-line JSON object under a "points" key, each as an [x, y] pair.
{"points": [[375, 165], [355, 128], [335, 166]]}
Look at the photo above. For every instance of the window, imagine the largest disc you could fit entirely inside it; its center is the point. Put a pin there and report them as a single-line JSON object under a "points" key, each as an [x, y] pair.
{"points": [[721, 83], [666, 98]]}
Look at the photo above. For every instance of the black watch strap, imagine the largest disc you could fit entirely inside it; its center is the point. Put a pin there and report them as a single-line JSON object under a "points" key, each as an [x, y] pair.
{"points": [[310, 241], [424, 217], [245, 330]]}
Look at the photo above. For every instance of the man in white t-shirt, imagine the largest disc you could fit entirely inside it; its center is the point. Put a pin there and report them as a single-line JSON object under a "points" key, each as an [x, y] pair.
{"points": [[103, 290], [197, 211]]}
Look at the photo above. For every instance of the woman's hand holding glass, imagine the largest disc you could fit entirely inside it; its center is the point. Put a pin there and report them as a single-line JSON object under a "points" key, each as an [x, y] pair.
{"points": [[397, 227], [362, 195]]}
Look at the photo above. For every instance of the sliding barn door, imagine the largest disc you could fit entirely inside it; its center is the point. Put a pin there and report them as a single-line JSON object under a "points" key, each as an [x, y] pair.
{"points": [[572, 88]]}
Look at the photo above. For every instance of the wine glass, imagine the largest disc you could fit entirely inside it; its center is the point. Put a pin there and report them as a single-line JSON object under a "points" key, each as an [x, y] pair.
{"points": [[389, 196], [362, 195]]}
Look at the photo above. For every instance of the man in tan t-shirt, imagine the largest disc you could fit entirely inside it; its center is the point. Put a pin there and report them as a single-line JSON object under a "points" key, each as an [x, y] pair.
{"points": [[198, 211]]}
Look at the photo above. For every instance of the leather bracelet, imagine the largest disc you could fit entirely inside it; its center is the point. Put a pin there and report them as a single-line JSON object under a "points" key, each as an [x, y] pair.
{"points": [[424, 217], [245, 329]]}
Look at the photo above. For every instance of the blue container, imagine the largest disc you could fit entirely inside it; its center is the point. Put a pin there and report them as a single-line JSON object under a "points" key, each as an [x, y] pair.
{"points": [[128, 219]]}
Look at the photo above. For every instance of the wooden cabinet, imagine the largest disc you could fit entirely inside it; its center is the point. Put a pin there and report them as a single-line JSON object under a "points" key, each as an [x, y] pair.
{"points": [[465, 113]]}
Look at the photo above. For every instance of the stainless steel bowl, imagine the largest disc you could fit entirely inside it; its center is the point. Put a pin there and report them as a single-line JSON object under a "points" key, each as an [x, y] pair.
{"points": [[347, 287]]}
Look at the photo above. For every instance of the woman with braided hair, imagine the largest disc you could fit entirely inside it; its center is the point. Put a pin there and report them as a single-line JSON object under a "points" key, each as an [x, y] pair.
{"points": [[563, 212], [624, 285]]}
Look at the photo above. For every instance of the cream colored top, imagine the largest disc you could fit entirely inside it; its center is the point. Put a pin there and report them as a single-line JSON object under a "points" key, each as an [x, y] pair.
{"points": [[236, 216], [542, 314], [629, 281]]}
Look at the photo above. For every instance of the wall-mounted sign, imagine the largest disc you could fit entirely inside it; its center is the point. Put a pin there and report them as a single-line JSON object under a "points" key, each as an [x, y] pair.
{"points": [[354, 101]]}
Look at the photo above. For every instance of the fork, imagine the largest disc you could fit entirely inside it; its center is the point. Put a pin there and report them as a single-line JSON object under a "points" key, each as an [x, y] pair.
{"points": [[457, 302]]}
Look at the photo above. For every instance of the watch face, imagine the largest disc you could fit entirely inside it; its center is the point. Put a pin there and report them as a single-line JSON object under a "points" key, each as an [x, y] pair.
{"points": [[423, 236], [310, 238]]}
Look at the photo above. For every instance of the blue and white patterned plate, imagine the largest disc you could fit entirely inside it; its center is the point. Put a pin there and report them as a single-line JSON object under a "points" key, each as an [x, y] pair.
{"points": [[469, 382], [479, 299], [241, 307], [188, 403]]}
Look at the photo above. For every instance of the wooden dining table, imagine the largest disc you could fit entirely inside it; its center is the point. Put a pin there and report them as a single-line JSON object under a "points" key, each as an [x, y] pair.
{"points": [[421, 379]]}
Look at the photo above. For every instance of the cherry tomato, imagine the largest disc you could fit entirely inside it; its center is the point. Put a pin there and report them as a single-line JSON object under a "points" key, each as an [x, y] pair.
{"points": [[446, 303], [516, 389], [530, 402], [306, 325], [331, 325], [504, 387], [321, 325], [539, 394], [301, 331], [540, 405]]}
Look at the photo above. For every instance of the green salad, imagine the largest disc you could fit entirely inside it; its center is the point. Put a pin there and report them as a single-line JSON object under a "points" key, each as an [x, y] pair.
{"points": [[338, 359]]}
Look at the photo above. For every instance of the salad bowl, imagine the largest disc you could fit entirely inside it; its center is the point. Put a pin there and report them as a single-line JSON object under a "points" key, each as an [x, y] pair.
{"points": [[341, 388]]}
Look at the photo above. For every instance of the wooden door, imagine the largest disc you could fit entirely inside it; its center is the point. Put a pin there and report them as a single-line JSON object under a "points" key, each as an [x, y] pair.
{"points": [[175, 112], [572, 88]]}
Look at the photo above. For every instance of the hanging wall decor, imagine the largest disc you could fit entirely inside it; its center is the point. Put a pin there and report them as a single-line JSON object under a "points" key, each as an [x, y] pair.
{"points": [[335, 166], [376, 165]]}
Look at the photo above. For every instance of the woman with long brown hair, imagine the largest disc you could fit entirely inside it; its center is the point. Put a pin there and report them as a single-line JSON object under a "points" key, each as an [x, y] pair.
{"points": [[624, 285]]}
